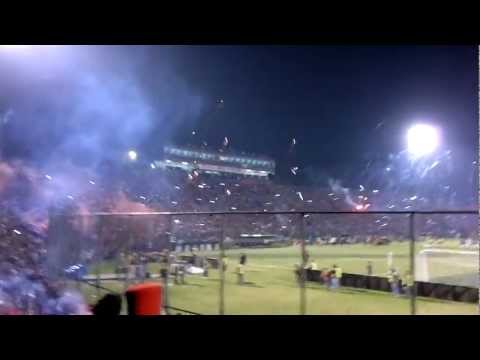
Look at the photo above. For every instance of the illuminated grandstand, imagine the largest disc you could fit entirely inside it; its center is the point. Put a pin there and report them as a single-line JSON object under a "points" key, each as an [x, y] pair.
{"points": [[215, 163]]}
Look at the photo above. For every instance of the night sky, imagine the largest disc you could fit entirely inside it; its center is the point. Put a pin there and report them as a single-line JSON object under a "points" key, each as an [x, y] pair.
{"points": [[344, 105], [331, 99]]}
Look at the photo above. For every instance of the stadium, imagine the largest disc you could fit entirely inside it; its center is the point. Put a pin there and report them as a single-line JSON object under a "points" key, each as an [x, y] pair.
{"points": [[112, 240], [274, 228], [113, 202]]}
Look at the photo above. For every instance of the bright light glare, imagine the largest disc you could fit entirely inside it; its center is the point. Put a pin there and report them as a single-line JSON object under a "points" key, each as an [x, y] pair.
{"points": [[422, 140], [132, 155]]}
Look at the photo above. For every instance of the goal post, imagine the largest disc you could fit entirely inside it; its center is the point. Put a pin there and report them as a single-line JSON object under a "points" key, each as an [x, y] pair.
{"points": [[449, 266]]}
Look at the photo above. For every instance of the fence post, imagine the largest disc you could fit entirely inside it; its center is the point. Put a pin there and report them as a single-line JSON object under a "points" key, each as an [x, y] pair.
{"points": [[98, 229], [126, 265], [413, 291], [97, 281], [221, 305], [166, 299], [303, 272]]}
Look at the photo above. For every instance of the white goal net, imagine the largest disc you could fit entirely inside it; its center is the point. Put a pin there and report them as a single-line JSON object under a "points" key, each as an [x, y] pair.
{"points": [[448, 266]]}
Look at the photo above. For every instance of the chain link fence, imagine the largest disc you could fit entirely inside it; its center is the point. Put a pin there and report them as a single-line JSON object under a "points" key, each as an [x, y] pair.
{"points": [[276, 262]]}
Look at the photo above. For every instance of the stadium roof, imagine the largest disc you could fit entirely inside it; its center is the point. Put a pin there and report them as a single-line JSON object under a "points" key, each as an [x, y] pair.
{"points": [[229, 156]]}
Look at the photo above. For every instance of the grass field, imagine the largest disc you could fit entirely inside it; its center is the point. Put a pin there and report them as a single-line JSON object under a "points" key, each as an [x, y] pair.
{"points": [[271, 287]]}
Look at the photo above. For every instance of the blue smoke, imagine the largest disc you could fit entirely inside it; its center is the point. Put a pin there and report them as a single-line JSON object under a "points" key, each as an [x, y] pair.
{"points": [[91, 104]]}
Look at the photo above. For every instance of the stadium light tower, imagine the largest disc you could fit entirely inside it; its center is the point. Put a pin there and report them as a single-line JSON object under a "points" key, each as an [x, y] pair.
{"points": [[422, 140], [132, 155]]}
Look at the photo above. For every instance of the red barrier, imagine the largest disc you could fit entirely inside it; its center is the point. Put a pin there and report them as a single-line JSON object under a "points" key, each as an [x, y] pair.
{"points": [[144, 299]]}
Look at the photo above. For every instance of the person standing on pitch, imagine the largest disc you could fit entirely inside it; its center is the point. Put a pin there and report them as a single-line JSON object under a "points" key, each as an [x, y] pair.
{"points": [[326, 276], [243, 259], [164, 268], [205, 267], [333, 279], [241, 274], [393, 280], [408, 283], [180, 273], [336, 276], [369, 268], [225, 263], [193, 260]]}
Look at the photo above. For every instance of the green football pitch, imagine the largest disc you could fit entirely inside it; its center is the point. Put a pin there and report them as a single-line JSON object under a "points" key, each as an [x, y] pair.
{"points": [[271, 287]]}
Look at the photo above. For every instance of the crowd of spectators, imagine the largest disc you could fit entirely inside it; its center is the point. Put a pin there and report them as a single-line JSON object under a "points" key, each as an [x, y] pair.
{"points": [[25, 287], [178, 191]]}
